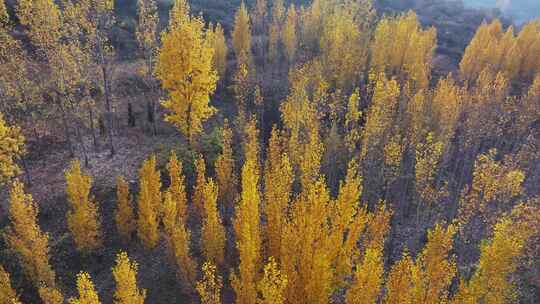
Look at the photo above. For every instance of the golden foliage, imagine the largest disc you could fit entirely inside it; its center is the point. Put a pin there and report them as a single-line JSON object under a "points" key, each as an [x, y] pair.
{"points": [[26, 239], [220, 51], [402, 48], [11, 149], [186, 70], [241, 36], [225, 174], [213, 232], [501, 51], [348, 222], [200, 182], [380, 114], [247, 225], [87, 292], [177, 186], [83, 221], [290, 41], [146, 32], [494, 184], [125, 277], [435, 269], [399, 284], [149, 202], [50, 295], [491, 283], [278, 181], [368, 278], [272, 285], [124, 217], [7, 294], [186, 265], [428, 156], [209, 287]]}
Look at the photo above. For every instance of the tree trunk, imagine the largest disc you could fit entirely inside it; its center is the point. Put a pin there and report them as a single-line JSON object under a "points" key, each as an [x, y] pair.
{"points": [[108, 106], [92, 128], [66, 130]]}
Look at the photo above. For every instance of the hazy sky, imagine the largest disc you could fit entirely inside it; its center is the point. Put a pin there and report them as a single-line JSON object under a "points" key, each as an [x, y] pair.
{"points": [[520, 10]]}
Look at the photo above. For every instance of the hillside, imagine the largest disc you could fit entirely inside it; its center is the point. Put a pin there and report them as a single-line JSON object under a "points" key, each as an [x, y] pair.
{"points": [[268, 152]]}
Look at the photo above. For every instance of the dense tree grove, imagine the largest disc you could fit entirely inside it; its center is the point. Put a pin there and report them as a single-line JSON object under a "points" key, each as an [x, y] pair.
{"points": [[324, 159]]}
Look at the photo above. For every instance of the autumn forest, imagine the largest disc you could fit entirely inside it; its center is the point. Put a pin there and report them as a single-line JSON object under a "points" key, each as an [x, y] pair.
{"points": [[298, 152]]}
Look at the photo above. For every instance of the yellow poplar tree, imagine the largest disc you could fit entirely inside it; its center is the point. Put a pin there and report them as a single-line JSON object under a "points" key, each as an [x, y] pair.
{"points": [[435, 268], [125, 277], [11, 149], [186, 70], [50, 295], [347, 219], [290, 41], [368, 277], [209, 287], [26, 239], [402, 48], [491, 281], [221, 50], [225, 173], [241, 36], [87, 292], [186, 265], [7, 294], [213, 232], [124, 217], [149, 203], [200, 182], [278, 181], [399, 284], [272, 285], [177, 186], [247, 224], [83, 221]]}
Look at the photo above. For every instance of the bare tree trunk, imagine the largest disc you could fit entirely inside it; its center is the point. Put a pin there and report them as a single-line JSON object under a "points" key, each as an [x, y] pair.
{"points": [[92, 128], [106, 89], [26, 171], [83, 147], [66, 130]]}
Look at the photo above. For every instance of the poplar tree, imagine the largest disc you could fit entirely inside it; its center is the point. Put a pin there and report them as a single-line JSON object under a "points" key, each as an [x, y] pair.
{"points": [[213, 232], [125, 216], [86, 290], [247, 224], [226, 176], [185, 69], [209, 287], [26, 239], [11, 149], [83, 221], [149, 203], [125, 277], [241, 36], [7, 294]]}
